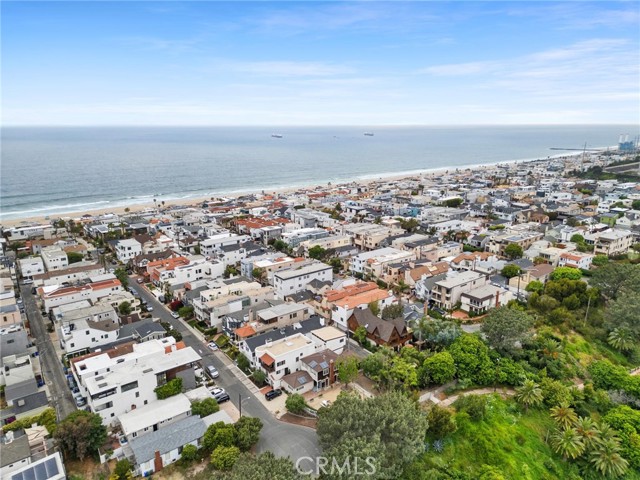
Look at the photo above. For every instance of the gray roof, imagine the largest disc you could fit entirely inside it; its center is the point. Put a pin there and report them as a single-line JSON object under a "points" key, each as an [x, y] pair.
{"points": [[15, 451], [167, 438], [142, 329], [14, 343], [303, 327], [20, 390]]}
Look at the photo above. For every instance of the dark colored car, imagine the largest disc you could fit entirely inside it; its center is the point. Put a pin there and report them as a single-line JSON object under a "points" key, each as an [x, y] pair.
{"points": [[223, 398], [271, 394]]}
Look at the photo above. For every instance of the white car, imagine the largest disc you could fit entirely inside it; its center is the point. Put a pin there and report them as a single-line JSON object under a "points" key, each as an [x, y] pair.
{"points": [[213, 372], [149, 308], [213, 346], [175, 314]]}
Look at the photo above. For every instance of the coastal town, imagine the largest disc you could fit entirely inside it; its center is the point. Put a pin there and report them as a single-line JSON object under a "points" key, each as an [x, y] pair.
{"points": [[186, 339]]}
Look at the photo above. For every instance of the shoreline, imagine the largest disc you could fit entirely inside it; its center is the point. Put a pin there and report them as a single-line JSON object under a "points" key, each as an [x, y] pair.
{"points": [[283, 190]]}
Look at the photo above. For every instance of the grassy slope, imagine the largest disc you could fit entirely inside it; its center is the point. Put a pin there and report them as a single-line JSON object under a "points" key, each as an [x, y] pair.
{"points": [[507, 439]]}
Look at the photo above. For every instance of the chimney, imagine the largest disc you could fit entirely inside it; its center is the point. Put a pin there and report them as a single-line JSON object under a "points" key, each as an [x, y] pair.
{"points": [[497, 298], [157, 462]]}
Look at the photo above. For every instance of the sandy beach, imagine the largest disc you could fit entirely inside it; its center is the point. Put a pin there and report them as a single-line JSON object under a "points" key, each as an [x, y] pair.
{"points": [[280, 192]]}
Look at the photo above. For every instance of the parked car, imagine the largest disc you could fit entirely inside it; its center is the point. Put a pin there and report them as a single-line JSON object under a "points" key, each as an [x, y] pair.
{"points": [[223, 398], [27, 281], [212, 345], [213, 372], [271, 394], [149, 308], [219, 394], [140, 280], [175, 314]]}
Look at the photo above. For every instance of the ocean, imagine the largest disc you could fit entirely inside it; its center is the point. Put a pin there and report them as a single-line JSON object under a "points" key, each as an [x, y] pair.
{"points": [[47, 171]]}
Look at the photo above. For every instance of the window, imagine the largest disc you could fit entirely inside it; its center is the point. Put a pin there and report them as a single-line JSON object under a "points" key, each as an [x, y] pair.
{"points": [[129, 386]]}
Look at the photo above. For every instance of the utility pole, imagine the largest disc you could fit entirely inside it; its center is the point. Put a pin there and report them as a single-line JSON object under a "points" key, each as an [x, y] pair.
{"points": [[240, 403]]}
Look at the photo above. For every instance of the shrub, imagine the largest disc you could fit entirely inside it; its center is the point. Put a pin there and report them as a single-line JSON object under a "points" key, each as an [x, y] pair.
{"points": [[205, 407], [474, 405], [224, 458], [189, 453], [169, 389], [295, 403]]}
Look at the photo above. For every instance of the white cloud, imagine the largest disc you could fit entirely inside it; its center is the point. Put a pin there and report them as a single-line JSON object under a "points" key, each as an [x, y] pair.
{"points": [[289, 69]]}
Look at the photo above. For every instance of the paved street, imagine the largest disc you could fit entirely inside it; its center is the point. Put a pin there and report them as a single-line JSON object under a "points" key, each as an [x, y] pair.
{"points": [[52, 370], [283, 439]]}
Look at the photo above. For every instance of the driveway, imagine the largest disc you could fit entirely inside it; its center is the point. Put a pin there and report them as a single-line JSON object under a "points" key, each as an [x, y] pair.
{"points": [[52, 370], [283, 439]]}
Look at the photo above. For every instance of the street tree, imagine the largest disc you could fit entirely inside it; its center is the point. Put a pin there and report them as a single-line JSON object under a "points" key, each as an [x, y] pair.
{"points": [[347, 369]]}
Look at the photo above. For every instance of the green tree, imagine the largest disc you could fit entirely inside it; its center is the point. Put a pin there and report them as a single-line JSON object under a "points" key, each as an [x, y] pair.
{"points": [[259, 274], [535, 286], [243, 363], [389, 428], [587, 430], [375, 308], [513, 251], [336, 263], [121, 274], [564, 415], [317, 252], [295, 403], [392, 311], [473, 405], [529, 394], [189, 453], [440, 368], [204, 407], [567, 443], [265, 465], [600, 260], [224, 458], [510, 270], [566, 272], [621, 339], [259, 377], [471, 357], [124, 308], [247, 432], [615, 278], [81, 433], [185, 312], [347, 369], [74, 257], [441, 421], [453, 202], [505, 328], [219, 434], [360, 335], [122, 470], [576, 238], [624, 315], [606, 459]]}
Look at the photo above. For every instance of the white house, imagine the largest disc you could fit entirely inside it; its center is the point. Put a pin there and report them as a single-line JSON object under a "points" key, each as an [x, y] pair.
{"points": [[128, 248], [31, 266], [85, 328], [484, 298], [446, 293], [282, 357], [286, 282], [54, 296], [115, 383], [54, 258]]}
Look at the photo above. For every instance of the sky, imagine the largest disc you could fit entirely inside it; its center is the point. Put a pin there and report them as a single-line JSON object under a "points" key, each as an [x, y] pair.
{"points": [[320, 63]]}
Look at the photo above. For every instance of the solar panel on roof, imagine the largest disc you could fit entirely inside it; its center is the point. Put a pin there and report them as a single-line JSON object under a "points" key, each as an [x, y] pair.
{"points": [[313, 363], [324, 365]]}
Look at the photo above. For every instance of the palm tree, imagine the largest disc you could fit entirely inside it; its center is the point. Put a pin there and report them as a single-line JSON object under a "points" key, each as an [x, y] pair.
{"points": [[621, 339], [564, 415], [606, 458], [588, 430], [529, 394], [567, 443]]}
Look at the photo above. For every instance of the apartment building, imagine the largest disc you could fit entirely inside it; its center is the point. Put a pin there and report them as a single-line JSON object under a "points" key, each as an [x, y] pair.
{"points": [[613, 242], [576, 260], [446, 293], [83, 329], [286, 282], [368, 236], [341, 303], [127, 249], [54, 258], [282, 357], [213, 244], [122, 379], [54, 296], [372, 264], [31, 266], [481, 299], [71, 274]]}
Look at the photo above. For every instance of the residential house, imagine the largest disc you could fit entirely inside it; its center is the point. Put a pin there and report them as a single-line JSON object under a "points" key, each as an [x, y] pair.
{"points": [[286, 282], [390, 333], [281, 357], [481, 299], [446, 293], [54, 258]]}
